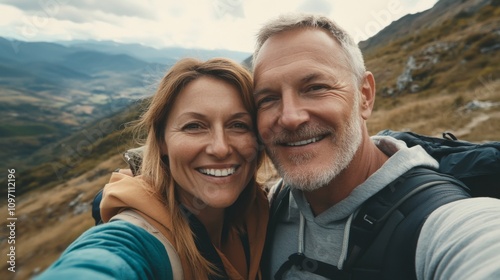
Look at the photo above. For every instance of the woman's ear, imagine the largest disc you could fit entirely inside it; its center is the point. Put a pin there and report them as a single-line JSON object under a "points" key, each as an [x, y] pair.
{"points": [[163, 148], [367, 95], [164, 159]]}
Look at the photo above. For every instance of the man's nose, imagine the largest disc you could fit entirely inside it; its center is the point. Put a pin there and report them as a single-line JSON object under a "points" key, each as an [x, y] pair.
{"points": [[293, 111], [219, 145]]}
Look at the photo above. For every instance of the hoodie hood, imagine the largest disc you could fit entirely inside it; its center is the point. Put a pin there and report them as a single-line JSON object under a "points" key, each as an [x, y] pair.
{"points": [[125, 192]]}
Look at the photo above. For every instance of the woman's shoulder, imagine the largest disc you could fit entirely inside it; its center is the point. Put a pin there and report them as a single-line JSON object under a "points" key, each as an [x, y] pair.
{"points": [[113, 250], [123, 232]]}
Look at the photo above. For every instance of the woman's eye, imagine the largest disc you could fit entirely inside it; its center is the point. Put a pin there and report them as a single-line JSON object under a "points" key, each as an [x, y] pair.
{"points": [[192, 126], [241, 125]]}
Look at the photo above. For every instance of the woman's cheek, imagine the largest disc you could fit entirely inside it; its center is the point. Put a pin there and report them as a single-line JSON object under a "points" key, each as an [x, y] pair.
{"points": [[249, 148]]}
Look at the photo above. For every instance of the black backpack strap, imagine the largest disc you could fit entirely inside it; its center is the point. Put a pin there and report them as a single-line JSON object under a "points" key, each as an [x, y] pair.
{"points": [[384, 233], [279, 201], [314, 266], [96, 208]]}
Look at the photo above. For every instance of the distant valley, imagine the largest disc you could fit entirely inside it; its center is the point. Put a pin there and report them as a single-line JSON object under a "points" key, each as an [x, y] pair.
{"points": [[52, 90]]}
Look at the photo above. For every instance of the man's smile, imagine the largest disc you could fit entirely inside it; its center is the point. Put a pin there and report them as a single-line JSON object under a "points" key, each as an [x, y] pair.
{"points": [[305, 142]]}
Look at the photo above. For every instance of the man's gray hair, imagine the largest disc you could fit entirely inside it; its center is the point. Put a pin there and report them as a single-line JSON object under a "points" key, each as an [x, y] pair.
{"points": [[292, 21]]}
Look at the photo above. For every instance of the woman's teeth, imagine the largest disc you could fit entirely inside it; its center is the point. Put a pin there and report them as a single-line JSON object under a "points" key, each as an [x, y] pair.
{"points": [[218, 172]]}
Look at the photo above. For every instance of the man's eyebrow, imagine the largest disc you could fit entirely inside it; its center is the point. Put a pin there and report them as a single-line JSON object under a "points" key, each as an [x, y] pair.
{"points": [[317, 76], [262, 91], [322, 77], [306, 79], [310, 77]]}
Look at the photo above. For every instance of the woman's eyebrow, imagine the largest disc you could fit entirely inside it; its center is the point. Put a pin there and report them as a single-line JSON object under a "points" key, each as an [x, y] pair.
{"points": [[241, 115], [197, 115]]}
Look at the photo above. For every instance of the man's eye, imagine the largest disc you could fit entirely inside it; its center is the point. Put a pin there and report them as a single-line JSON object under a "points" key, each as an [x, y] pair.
{"points": [[265, 100], [316, 87]]}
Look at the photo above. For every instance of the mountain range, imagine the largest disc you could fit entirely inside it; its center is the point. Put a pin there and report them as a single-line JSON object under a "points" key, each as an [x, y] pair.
{"points": [[51, 90]]}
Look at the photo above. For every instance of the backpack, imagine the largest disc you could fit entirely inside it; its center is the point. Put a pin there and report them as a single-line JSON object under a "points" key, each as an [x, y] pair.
{"points": [[476, 165], [133, 157], [384, 233]]}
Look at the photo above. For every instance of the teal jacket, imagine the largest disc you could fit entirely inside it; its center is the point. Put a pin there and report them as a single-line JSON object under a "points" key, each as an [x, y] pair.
{"points": [[115, 250]]}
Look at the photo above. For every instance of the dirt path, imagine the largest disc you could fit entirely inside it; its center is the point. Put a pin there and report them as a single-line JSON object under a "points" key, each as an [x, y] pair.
{"points": [[474, 122]]}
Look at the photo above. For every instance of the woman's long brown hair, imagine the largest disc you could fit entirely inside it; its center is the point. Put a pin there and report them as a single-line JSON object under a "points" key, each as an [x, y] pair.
{"points": [[155, 168]]}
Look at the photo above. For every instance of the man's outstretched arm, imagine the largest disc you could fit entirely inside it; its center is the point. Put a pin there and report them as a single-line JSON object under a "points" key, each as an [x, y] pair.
{"points": [[461, 240]]}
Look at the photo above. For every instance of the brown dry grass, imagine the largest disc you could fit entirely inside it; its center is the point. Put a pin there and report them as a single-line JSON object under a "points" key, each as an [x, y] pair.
{"points": [[46, 224], [434, 114]]}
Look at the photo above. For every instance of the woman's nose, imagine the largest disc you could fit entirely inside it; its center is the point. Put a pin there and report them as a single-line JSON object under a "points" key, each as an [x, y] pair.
{"points": [[219, 145]]}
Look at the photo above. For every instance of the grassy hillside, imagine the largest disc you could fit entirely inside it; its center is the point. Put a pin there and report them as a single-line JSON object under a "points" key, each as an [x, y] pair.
{"points": [[78, 153], [427, 78], [433, 114], [53, 199], [460, 53]]}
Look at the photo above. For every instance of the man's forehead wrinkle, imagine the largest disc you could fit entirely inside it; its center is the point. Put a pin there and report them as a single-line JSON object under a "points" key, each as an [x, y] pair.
{"points": [[281, 59], [313, 72], [272, 65], [276, 55], [275, 63]]}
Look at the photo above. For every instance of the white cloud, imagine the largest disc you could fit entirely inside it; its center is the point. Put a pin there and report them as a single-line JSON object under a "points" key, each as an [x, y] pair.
{"points": [[417, 6], [316, 6], [10, 15], [229, 24], [364, 19]]}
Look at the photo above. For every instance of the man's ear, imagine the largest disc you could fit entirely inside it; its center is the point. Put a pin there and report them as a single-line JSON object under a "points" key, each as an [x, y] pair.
{"points": [[367, 95]]}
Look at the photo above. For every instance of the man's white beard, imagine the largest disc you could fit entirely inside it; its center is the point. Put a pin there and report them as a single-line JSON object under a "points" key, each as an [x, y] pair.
{"points": [[309, 179]]}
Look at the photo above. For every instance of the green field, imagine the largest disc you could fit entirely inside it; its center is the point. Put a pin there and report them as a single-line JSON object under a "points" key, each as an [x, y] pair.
{"points": [[9, 130]]}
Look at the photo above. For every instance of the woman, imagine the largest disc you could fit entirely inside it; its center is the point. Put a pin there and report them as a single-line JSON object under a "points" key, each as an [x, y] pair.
{"points": [[197, 187]]}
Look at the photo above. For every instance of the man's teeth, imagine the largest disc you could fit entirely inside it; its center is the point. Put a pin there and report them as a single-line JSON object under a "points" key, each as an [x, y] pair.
{"points": [[304, 142], [218, 172]]}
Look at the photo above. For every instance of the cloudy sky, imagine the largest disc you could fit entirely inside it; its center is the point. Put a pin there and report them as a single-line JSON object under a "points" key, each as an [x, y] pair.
{"points": [[209, 24]]}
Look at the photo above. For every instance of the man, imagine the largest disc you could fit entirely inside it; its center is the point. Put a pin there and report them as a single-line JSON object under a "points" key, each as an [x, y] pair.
{"points": [[314, 97]]}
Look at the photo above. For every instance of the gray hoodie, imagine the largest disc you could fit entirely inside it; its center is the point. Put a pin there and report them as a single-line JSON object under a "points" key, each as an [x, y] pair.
{"points": [[326, 236], [459, 240]]}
